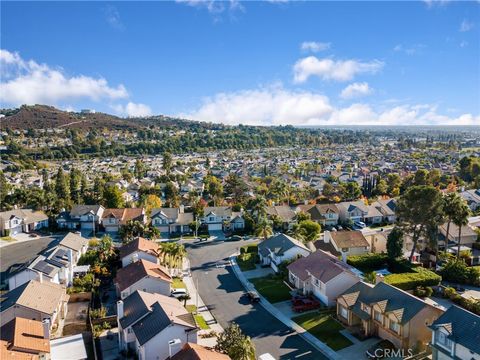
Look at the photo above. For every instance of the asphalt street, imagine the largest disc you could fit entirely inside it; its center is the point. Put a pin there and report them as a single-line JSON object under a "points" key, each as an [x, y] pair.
{"points": [[14, 256], [223, 293]]}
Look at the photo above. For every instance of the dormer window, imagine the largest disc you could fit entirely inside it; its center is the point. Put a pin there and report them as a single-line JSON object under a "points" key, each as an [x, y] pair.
{"points": [[366, 308], [442, 339]]}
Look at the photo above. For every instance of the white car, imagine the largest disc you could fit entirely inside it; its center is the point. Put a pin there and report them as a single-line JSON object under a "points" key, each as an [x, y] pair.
{"points": [[177, 293], [360, 224]]}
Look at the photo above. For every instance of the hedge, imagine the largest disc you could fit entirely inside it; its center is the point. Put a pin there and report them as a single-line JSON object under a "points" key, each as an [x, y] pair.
{"points": [[251, 248], [368, 262], [411, 280]]}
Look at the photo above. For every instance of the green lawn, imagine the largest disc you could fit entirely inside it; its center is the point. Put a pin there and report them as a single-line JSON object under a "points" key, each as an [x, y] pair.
{"points": [[201, 322], [324, 328], [177, 283], [191, 308], [246, 261], [7, 238], [272, 288]]}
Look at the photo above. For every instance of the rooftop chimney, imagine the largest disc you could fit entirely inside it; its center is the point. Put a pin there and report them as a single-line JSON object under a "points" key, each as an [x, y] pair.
{"points": [[135, 257], [46, 328], [120, 309], [379, 278], [344, 256], [326, 236], [40, 277]]}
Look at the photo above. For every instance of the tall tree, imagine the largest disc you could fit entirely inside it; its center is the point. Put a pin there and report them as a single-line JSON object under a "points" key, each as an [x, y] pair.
{"points": [[452, 203], [171, 194], [235, 344], [62, 188], [419, 207], [112, 197], [263, 228], [75, 182], [350, 191], [395, 243], [167, 162], [461, 219], [152, 201]]}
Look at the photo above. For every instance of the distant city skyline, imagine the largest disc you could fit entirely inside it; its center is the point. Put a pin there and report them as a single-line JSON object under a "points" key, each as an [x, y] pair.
{"points": [[259, 63]]}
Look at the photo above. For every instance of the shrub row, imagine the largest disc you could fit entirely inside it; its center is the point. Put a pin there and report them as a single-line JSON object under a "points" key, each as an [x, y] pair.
{"points": [[409, 281], [251, 248], [472, 305], [368, 262]]}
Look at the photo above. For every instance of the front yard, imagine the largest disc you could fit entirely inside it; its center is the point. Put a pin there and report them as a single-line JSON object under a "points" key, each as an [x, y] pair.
{"points": [[177, 283], [247, 261], [272, 288], [325, 328]]}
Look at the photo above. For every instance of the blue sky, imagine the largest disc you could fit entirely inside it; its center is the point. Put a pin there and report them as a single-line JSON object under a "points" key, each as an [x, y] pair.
{"points": [[301, 63]]}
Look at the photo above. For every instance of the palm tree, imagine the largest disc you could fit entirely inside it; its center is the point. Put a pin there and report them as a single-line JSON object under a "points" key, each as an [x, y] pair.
{"points": [[451, 204], [171, 255], [263, 229], [461, 219]]}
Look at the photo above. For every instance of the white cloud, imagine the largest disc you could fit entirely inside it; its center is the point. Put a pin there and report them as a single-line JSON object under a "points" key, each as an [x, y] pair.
{"points": [[409, 50], [133, 110], [276, 105], [113, 17], [214, 7], [314, 46], [28, 82], [328, 69], [433, 3], [466, 26], [356, 90]]}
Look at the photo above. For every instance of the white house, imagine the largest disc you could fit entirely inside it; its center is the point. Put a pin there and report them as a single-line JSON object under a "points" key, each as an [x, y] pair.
{"points": [[172, 220], [85, 217], [18, 221], [280, 248], [456, 335], [222, 217], [148, 322], [322, 275], [137, 249], [472, 197], [143, 275]]}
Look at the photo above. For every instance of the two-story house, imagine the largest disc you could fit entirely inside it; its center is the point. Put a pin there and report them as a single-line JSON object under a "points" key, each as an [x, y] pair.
{"points": [[84, 217], [172, 220], [472, 197], [323, 275], [343, 243], [18, 221], [324, 214], [456, 335], [113, 219], [143, 275], [221, 218], [359, 211], [279, 248], [389, 313], [148, 322], [387, 208], [284, 213], [137, 249]]}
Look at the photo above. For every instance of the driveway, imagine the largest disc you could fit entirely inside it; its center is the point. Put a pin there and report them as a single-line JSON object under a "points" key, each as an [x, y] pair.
{"points": [[223, 293], [357, 351], [217, 234], [15, 255], [258, 272]]}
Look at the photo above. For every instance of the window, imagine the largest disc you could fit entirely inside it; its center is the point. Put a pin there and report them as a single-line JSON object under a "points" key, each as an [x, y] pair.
{"points": [[366, 308], [394, 326], [378, 316], [343, 312], [443, 340]]}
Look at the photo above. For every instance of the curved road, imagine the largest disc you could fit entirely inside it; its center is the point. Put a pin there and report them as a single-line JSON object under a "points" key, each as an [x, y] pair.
{"points": [[222, 292]]}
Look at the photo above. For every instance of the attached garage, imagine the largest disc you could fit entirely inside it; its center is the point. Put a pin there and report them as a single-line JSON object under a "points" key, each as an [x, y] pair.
{"points": [[16, 230], [215, 227]]}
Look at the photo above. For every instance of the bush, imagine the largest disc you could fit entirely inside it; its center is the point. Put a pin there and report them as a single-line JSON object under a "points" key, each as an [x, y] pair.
{"points": [[457, 271], [98, 313], [89, 258], [368, 262], [252, 248], [409, 281], [423, 292], [472, 305]]}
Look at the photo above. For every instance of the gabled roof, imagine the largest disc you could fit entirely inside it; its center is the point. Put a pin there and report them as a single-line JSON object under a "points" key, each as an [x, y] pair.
{"points": [[139, 244], [41, 296], [393, 300], [74, 241], [137, 270], [218, 210], [27, 215], [279, 244], [192, 351], [79, 210], [349, 239], [320, 265], [284, 212], [124, 215], [22, 336], [462, 325], [169, 213], [149, 314]]}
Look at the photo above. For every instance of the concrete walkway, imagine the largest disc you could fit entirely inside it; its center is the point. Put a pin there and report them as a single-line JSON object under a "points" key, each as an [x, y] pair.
{"points": [[258, 272], [202, 309], [322, 347]]}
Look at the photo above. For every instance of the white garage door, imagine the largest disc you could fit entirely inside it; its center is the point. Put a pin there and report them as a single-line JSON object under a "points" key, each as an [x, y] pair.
{"points": [[214, 227], [16, 230]]}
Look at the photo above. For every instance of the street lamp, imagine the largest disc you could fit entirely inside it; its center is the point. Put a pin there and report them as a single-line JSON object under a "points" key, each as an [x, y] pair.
{"points": [[171, 343]]}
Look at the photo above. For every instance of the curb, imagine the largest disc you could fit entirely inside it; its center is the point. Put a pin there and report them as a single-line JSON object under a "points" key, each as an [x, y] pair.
{"points": [[320, 346]]}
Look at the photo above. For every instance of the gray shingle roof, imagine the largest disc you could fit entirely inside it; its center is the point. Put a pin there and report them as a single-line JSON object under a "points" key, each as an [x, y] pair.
{"points": [[279, 244], [464, 327]]}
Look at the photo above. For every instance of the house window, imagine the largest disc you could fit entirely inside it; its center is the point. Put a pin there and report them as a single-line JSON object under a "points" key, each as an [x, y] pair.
{"points": [[366, 308], [443, 340], [129, 330], [211, 218], [394, 326], [343, 312], [378, 316]]}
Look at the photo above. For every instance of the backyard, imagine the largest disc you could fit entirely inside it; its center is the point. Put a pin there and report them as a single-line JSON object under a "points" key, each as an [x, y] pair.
{"points": [[272, 288], [325, 328]]}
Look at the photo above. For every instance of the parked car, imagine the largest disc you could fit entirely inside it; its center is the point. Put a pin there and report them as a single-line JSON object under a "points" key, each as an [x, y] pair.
{"points": [[234, 238], [253, 296], [177, 293], [300, 304], [359, 224], [380, 350]]}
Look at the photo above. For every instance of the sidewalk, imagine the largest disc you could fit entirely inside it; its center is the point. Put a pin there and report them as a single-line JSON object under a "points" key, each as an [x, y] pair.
{"points": [[323, 348], [18, 240], [202, 309]]}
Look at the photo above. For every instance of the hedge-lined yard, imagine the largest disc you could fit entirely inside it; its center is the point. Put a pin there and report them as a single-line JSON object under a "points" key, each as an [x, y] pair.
{"points": [[368, 262], [410, 280]]}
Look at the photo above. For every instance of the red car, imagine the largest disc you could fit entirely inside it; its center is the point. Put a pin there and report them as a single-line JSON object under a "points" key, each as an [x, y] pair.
{"points": [[305, 304]]}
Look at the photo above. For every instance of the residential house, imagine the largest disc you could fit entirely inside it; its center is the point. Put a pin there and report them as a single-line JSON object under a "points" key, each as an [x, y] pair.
{"points": [[343, 243], [359, 211], [472, 197], [468, 236], [456, 335], [84, 217], [35, 300], [191, 351], [148, 322], [387, 208], [323, 275], [377, 239], [324, 214], [172, 220], [284, 213], [113, 219], [221, 218], [25, 339], [389, 313], [137, 249], [19, 221], [279, 248], [77, 243], [143, 275]]}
